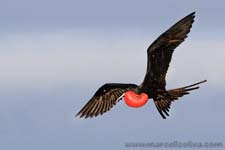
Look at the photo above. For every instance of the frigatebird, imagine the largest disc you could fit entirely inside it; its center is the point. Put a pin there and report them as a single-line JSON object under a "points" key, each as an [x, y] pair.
{"points": [[159, 55]]}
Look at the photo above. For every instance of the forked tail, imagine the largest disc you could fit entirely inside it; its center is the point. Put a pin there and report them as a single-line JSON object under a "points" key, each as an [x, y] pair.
{"points": [[163, 102], [179, 92]]}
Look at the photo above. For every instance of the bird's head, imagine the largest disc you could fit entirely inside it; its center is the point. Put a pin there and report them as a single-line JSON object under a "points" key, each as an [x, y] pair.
{"points": [[133, 99]]}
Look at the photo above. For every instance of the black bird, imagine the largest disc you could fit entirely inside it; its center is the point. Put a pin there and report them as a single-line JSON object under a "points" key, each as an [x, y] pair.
{"points": [[159, 56]]}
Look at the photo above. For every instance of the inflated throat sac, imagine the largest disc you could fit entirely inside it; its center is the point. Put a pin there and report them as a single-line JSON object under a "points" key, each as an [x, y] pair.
{"points": [[135, 100]]}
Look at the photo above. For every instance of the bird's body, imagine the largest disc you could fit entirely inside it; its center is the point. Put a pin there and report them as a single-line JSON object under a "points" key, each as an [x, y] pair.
{"points": [[154, 84]]}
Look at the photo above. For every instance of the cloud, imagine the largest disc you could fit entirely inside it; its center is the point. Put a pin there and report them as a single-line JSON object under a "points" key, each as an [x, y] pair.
{"points": [[94, 57]]}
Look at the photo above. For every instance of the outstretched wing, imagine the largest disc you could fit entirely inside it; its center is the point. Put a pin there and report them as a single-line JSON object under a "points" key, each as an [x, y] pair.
{"points": [[164, 100], [104, 99], [161, 50]]}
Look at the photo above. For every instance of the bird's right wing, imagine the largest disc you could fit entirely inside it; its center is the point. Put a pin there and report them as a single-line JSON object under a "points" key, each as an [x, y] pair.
{"points": [[104, 99]]}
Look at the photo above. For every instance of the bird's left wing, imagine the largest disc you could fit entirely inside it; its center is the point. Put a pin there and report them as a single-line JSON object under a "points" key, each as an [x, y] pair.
{"points": [[161, 50], [104, 99]]}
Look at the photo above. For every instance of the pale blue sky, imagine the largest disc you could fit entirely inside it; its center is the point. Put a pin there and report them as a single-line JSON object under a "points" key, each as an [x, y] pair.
{"points": [[55, 54]]}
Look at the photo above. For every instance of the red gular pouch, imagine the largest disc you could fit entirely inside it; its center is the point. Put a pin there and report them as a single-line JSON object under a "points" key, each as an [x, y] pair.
{"points": [[135, 100]]}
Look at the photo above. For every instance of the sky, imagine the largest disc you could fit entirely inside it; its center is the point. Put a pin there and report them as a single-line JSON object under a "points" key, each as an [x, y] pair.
{"points": [[55, 54]]}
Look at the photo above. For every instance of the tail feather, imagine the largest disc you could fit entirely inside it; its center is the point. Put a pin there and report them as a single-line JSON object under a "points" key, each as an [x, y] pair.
{"points": [[194, 84], [179, 92], [163, 102]]}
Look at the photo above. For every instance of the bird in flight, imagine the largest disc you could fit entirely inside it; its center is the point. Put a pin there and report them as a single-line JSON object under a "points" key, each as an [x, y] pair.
{"points": [[159, 55]]}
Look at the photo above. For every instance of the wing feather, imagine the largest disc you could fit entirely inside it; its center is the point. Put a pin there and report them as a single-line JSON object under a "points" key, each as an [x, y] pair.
{"points": [[104, 99], [161, 50]]}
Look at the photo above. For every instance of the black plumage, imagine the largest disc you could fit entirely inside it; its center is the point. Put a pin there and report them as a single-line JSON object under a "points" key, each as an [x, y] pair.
{"points": [[105, 98], [159, 55]]}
